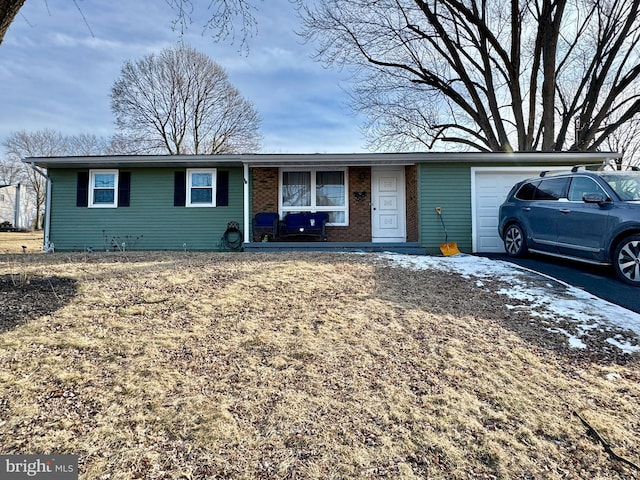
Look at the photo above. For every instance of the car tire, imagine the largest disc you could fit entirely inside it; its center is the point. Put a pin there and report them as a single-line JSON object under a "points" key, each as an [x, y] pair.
{"points": [[515, 243], [626, 260]]}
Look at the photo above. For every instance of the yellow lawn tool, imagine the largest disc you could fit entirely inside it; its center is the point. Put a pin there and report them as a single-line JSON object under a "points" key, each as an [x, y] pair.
{"points": [[447, 248]]}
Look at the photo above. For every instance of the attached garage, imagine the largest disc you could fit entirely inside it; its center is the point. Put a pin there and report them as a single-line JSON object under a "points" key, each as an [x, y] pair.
{"points": [[489, 188], [469, 188]]}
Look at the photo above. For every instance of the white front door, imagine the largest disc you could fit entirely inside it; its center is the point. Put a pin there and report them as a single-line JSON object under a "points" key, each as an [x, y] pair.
{"points": [[388, 222]]}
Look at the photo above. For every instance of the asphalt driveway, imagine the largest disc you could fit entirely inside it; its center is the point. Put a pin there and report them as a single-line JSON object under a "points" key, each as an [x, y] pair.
{"points": [[599, 281]]}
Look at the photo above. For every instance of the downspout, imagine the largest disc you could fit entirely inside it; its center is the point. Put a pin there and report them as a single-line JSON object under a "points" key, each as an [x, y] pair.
{"points": [[246, 203], [47, 246]]}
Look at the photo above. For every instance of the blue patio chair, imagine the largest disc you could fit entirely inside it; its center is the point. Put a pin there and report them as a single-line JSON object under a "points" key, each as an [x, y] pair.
{"points": [[265, 226]]}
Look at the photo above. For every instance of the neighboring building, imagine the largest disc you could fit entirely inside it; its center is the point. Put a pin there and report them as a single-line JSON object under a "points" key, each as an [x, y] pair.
{"points": [[17, 207], [375, 201]]}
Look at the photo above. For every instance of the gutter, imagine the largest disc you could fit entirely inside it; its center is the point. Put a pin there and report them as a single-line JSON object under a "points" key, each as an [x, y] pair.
{"points": [[320, 159]]}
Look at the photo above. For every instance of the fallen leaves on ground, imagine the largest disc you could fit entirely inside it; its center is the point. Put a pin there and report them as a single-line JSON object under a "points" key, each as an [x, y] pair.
{"points": [[297, 366]]}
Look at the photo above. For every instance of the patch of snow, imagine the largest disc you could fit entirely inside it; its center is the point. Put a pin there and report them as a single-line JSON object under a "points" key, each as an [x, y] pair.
{"points": [[623, 345], [574, 341], [552, 301]]}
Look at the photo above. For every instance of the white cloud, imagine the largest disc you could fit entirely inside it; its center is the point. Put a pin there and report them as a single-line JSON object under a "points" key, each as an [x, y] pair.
{"points": [[64, 40]]}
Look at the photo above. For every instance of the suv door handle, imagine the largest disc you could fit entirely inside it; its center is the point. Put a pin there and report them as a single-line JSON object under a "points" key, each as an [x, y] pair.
{"points": [[564, 210], [526, 209]]}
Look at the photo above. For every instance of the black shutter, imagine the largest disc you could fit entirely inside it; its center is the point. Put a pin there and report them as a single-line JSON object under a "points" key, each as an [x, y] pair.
{"points": [[222, 189], [124, 189], [82, 192], [179, 189]]}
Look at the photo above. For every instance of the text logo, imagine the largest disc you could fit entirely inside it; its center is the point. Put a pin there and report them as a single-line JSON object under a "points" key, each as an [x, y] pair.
{"points": [[45, 467]]}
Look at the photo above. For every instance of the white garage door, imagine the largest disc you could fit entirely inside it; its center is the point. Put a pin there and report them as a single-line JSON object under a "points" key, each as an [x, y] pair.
{"points": [[489, 187]]}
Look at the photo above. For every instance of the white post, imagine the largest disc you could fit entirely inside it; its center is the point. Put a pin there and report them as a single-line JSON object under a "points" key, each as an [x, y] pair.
{"points": [[246, 204], [17, 209]]}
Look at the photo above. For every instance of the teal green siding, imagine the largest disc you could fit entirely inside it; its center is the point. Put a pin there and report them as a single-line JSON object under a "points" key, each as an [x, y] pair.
{"points": [[151, 222], [447, 187]]}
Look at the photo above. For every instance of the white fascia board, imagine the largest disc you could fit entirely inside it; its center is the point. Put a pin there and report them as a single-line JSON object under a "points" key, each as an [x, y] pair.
{"points": [[315, 159]]}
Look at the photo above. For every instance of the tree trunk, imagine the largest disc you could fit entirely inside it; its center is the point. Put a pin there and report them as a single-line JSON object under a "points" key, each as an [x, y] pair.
{"points": [[8, 11], [549, 25]]}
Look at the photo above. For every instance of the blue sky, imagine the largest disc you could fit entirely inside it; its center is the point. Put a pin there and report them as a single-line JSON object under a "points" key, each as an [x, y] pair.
{"points": [[56, 72]]}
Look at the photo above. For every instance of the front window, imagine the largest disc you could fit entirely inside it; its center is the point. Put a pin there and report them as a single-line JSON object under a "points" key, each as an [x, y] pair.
{"points": [[103, 188], [201, 188], [296, 189], [315, 190], [626, 186]]}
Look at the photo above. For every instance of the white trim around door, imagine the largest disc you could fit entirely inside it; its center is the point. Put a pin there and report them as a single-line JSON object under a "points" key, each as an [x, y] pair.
{"points": [[388, 205]]}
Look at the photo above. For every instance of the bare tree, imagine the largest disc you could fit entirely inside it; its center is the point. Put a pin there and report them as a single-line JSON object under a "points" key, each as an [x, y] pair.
{"points": [[488, 75], [12, 171], [8, 11], [224, 15], [626, 140], [89, 144], [182, 102], [43, 143], [120, 144]]}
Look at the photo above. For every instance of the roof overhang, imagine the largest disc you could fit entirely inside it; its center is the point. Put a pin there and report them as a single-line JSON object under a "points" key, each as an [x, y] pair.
{"points": [[321, 159], [134, 161]]}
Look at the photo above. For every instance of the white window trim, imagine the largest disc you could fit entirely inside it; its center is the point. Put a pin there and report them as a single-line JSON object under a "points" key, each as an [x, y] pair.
{"points": [[314, 208], [92, 182], [213, 173]]}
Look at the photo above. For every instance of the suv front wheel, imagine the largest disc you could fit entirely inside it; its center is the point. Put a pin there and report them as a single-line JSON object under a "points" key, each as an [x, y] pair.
{"points": [[514, 241], [626, 260]]}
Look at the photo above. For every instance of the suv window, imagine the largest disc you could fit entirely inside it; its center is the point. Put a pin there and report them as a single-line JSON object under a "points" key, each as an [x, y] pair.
{"points": [[527, 191], [582, 185], [551, 189], [627, 187]]}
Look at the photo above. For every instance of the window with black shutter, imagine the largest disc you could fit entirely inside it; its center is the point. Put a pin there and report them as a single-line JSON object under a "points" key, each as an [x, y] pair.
{"points": [[124, 189], [222, 189], [201, 187], [179, 189]]}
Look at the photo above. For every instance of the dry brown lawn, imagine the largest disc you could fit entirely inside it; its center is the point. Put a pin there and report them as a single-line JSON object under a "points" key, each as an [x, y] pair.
{"points": [[295, 366], [12, 242]]}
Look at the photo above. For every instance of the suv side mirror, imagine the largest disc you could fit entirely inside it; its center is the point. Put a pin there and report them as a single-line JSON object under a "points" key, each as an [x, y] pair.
{"points": [[598, 198]]}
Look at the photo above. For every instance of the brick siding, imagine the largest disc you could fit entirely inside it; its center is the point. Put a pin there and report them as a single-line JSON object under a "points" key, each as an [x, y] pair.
{"points": [[265, 199], [411, 180], [265, 190]]}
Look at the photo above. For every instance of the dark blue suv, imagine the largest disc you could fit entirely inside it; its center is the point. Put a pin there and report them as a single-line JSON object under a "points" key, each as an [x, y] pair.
{"points": [[583, 215]]}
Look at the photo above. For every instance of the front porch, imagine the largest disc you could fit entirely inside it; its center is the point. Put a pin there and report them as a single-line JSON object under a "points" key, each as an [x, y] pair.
{"points": [[407, 248]]}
